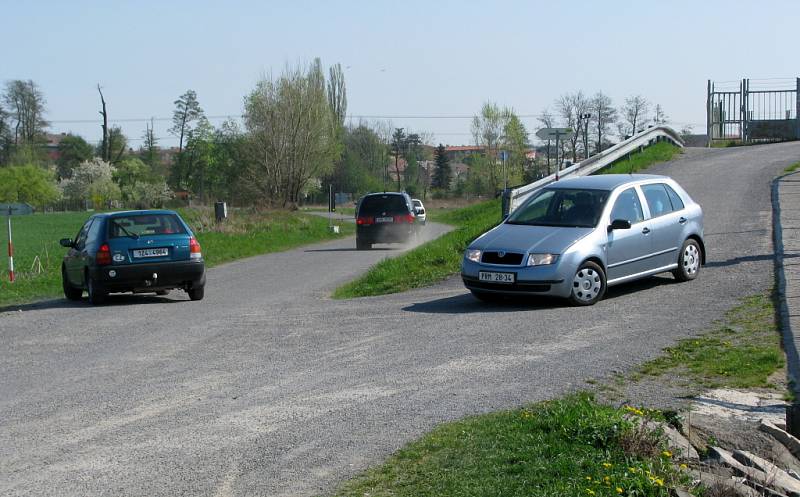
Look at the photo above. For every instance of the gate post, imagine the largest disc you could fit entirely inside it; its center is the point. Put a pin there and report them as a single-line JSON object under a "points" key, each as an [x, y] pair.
{"points": [[797, 111], [708, 114]]}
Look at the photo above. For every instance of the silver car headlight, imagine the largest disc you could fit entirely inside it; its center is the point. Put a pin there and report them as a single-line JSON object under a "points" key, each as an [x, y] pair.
{"points": [[473, 255], [541, 259]]}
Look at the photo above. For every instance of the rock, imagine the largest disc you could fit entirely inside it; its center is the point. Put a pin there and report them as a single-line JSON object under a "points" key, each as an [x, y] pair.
{"points": [[786, 439], [737, 488], [677, 443], [775, 474], [763, 479]]}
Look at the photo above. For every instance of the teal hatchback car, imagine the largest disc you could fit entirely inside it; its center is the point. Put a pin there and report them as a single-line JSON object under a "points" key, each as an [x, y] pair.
{"points": [[133, 251]]}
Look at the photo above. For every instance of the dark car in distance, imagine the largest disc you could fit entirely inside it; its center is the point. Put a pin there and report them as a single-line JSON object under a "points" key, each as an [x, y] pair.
{"points": [[387, 217], [142, 251]]}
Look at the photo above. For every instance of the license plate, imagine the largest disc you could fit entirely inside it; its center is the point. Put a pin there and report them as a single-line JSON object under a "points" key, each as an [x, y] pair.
{"points": [[384, 219], [490, 277], [153, 252]]}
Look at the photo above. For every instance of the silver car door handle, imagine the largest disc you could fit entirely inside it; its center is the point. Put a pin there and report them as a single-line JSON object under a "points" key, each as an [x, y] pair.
{"points": [[682, 220], [645, 230]]}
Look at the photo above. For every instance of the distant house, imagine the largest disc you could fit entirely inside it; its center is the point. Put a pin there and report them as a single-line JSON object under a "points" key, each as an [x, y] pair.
{"points": [[459, 152], [52, 141]]}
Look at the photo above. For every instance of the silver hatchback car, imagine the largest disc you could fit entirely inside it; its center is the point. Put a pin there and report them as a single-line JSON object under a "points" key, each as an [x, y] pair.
{"points": [[576, 237]]}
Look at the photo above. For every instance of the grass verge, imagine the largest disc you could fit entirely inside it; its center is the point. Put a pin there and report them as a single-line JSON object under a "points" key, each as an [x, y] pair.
{"points": [[38, 255], [660, 152], [572, 446], [794, 167], [430, 262], [742, 351]]}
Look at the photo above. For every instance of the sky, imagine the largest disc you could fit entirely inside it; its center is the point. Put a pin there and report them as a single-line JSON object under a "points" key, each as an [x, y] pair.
{"points": [[425, 65]]}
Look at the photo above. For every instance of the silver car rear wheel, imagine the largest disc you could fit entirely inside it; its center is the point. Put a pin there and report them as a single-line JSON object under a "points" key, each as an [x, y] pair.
{"points": [[588, 285]]}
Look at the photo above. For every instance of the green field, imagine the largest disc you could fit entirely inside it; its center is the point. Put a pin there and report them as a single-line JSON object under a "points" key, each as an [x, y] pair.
{"points": [[38, 255]]}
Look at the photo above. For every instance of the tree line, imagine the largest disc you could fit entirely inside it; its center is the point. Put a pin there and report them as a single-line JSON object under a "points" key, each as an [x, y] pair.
{"points": [[293, 141]]}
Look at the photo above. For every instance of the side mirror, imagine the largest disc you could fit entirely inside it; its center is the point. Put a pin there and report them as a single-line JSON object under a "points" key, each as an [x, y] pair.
{"points": [[66, 242], [619, 224]]}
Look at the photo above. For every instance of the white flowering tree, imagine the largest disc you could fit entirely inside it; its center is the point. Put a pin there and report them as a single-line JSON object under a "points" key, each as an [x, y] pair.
{"points": [[92, 180]]}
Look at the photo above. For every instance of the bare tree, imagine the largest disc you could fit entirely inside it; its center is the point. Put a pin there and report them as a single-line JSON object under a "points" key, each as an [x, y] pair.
{"points": [[659, 116], [548, 121], [603, 116], [104, 148], [571, 107], [634, 114], [25, 103], [6, 140]]}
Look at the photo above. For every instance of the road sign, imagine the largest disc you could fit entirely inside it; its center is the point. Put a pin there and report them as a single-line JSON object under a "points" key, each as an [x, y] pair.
{"points": [[555, 133]]}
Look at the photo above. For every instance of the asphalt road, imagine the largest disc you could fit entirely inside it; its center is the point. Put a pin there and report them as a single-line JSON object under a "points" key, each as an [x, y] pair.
{"points": [[268, 387]]}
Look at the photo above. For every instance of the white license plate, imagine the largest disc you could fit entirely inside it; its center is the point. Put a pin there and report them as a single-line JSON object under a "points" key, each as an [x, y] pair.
{"points": [[491, 277], [153, 252], [384, 219]]}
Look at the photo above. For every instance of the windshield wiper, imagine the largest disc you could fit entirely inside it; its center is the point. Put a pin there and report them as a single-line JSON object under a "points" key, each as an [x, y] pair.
{"points": [[132, 235]]}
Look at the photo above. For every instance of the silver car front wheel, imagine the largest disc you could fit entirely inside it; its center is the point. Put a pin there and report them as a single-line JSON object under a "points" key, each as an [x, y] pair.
{"points": [[588, 285], [689, 260]]}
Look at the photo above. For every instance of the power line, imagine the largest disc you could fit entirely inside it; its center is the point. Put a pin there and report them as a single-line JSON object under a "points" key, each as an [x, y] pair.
{"points": [[241, 116]]}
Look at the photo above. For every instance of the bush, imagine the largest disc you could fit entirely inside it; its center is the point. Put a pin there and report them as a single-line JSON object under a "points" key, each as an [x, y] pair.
{"points": [[30, 184]]}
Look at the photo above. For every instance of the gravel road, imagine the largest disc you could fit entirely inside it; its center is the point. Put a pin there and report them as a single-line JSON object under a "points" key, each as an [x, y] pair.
{"points": [[268, 387]]}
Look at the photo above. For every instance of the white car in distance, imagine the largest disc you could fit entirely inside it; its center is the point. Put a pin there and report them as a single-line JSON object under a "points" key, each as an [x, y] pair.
{"points": [[419, 210]]}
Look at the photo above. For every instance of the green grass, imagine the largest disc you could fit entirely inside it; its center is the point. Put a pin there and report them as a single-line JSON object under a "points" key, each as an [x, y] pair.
{"points": [[430, 262], [243, 235], [794, 167], [742, 351], [571, 446], [660, 152]]}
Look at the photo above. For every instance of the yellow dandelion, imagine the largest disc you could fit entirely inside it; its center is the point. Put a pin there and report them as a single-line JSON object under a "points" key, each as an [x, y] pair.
{"points": [[659, 482], [619, 490], [589, 478], [683, 466], [666, 453], [632, 470], [607, 465]]}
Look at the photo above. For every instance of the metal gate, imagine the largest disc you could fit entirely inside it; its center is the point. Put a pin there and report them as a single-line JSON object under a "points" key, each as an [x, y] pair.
{"points": [[753, 110]]}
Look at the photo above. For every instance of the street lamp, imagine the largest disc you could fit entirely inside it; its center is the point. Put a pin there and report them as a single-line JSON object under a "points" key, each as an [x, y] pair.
{"points": [[585, 118]]}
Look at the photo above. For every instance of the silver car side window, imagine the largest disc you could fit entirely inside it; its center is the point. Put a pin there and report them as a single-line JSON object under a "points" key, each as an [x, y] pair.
{"points": [[677, 202], [657, 199], [628, 207]]}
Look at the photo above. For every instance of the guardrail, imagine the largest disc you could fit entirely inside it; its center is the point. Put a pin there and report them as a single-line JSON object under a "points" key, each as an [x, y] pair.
{"points": [[598, 161]]}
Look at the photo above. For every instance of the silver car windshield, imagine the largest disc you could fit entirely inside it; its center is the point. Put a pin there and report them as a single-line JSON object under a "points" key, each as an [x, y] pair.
{"points": [[579, 208]]}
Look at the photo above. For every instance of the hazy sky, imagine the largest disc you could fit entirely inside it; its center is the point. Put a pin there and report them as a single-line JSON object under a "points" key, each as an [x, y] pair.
{"points": [[412, 58]]}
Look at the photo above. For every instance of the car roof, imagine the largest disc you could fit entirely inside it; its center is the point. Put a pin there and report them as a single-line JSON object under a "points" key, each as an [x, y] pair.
{"points": [[383, 193], [145, 212], [604, 181]]}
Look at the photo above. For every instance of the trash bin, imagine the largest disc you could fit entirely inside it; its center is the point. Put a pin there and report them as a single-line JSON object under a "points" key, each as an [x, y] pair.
{"points": [[220, 211]]}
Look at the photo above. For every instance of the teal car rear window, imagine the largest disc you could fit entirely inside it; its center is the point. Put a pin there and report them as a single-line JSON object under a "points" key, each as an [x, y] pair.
{"points": [[144, 225]]}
